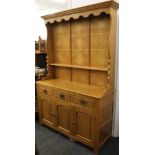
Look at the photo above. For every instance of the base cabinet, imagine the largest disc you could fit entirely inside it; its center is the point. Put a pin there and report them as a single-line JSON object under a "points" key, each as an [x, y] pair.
{"points": [[69, 120], [77, 116]]}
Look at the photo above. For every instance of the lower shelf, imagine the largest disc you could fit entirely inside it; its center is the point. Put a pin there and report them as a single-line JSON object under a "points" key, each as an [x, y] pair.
{"points": [[80, 67]]}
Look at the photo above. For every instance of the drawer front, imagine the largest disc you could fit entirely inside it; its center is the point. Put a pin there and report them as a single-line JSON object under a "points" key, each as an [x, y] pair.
{"points": [[45, 97], [45, 90], [84, 101], [62, 95]]}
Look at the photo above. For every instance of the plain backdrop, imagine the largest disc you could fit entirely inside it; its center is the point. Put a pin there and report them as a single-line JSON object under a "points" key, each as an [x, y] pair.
{"points": [[136, 77]]}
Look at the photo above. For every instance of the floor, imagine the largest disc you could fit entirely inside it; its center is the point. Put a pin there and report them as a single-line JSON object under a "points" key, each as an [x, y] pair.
{"points": [[50, 142]]}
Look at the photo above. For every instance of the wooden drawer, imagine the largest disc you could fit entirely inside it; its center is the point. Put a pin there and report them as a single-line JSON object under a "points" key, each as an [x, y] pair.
{"points": [[45, 90], [62, 95], [45, 97], [84, 101]]}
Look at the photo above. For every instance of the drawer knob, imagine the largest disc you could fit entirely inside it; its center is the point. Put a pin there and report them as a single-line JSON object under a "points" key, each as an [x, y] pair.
{"points": [[54, 114], [83, 102], [45, 91], [62, 96], [74, 122]]}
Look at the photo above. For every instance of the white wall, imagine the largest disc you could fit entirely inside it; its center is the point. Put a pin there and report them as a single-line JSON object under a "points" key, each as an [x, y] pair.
{"points": [[116, 107], [40, 28], [44, 7], [78, 3]]}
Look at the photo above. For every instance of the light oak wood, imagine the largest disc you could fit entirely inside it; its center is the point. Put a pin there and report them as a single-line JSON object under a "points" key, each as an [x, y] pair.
{"points": [[62, 95], [62, 73], [95, 9], [76, 76], [99, 78], [84, 101], [76, 87], [46, 108], [62, 114], [79, 92], [45, 90], [84, 122], [76, 109], [80, 67]]}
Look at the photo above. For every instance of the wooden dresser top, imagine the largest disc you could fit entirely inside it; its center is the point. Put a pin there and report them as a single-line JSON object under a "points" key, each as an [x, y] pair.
{"points": [[84, 11], [84, 89]]}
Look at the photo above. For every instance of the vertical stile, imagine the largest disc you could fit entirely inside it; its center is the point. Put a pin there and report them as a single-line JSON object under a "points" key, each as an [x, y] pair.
{"points": [[109, 71], [71, 45], [109, 56], [89, 48], [52, 50]]}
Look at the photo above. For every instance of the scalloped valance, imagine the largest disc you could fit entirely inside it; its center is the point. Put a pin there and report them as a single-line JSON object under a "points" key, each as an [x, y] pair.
{"points": [[86, 11], [78, 15]]}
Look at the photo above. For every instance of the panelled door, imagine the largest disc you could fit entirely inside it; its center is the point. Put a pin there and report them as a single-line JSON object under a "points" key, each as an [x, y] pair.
{"points": [[83, 125], [62, 116], [46, 108]]}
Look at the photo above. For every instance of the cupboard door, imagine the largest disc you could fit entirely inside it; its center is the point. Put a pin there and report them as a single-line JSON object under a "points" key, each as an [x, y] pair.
{"points": [[47, 107], [84, 122], [62, 113]]}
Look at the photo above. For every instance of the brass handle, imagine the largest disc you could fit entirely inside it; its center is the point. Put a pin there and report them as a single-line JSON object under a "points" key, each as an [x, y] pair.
{"points": [[45, 91], [74, 122], [54, 114], [83, 102], [62, 96]]}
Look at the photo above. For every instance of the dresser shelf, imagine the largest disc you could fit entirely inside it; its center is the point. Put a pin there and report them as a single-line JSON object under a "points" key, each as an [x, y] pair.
{"points": [[80, 67]]}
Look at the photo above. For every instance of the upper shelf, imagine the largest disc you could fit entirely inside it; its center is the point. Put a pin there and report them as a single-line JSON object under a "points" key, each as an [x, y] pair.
{"points": [[80, 67], [95, 9]]}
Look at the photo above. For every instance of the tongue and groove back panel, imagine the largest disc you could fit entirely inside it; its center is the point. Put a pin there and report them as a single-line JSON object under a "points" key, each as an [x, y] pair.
{"points": [[82, 42]]}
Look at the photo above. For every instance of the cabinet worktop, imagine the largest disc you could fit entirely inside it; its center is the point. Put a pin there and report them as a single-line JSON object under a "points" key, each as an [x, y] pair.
{"points": [[75, 87]]}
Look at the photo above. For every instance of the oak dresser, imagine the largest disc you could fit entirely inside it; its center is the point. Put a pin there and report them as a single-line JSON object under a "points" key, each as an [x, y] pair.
{"points": [[78, 96]]}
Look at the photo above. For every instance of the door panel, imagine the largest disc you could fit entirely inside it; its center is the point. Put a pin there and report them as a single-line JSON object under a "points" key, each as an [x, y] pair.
{"points": [[63, 116], [47, 110], [84, 125], [47, 107]]}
